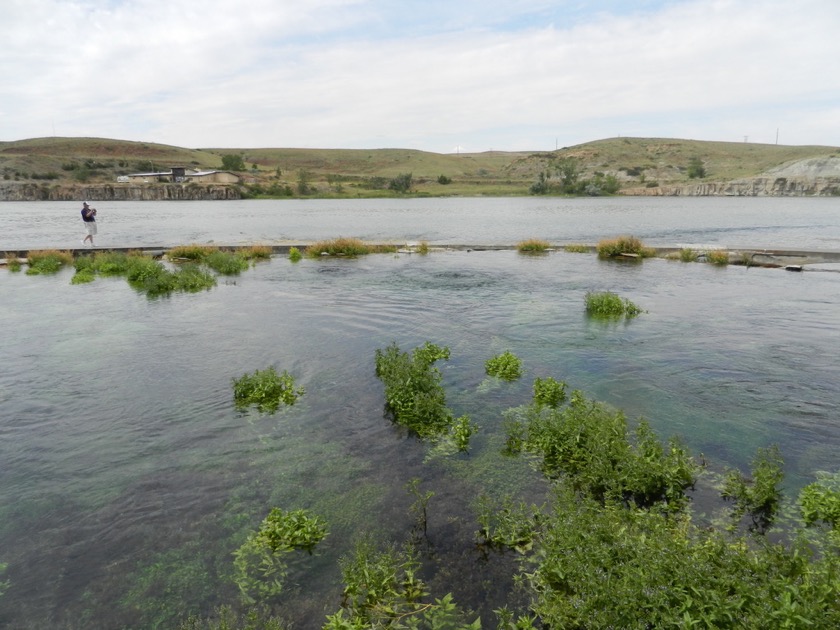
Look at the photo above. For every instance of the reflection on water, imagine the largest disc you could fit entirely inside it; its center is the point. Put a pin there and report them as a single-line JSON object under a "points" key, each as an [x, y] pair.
{"points": [[128, 475]]}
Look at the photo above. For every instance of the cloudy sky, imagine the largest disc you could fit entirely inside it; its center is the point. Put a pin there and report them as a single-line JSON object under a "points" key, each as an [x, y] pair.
{"points": [[443, 76]]}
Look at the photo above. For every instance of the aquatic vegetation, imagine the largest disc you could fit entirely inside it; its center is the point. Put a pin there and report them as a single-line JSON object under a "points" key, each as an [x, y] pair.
{"points": [[577, 248], [226, 263], [225, 618], [820, 502], [83, 276], [12, 261], [506, 366], [608, 305], [190, 252], [686, 254], [350, 247], [717, 257], [505, 524], [294, 254], [48, 261], [623, 245], [757, 495], [256, 252], [4, 584], [382, 589], [461, 431], [191, 279], [533, 246], [266, 389], [413, 393], [260, 563], [549, 392], [422, 248]]}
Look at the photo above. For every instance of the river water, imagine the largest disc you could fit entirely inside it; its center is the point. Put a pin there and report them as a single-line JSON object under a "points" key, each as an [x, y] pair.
{"points": [[776, 223], [129, 478]]}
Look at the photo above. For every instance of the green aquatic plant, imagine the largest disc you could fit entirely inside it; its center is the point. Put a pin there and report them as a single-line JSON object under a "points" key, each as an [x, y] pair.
{"points": [[256, 252], [83, 276], [506, 366], [192, 278], [686, 254], [12, 261], [623, 245], [717, 257], [266, 389], [48, 261], [608, 305], [533, 246], [577, 248], [350, 247], [225, 618], [294, 254], [192, 252], [759, 494], [420, 505], [549, 392], [413, 393], [506, 524], [819, 502], [422, 248], [226, 263], [260, 563], [461, 431]]}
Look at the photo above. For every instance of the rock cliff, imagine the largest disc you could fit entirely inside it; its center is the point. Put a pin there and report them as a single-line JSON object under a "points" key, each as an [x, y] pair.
{"points": [[118, 192]]}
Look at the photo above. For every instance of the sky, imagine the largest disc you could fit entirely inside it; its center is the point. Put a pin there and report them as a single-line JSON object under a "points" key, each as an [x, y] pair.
{"points": [[443, 76]]}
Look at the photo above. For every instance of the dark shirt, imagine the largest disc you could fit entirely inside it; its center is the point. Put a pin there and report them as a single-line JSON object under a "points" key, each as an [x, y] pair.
{"points": [[88, 215]]}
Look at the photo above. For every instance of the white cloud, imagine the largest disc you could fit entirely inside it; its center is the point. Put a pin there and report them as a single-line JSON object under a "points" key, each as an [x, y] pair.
{"points": [[364, 74]]}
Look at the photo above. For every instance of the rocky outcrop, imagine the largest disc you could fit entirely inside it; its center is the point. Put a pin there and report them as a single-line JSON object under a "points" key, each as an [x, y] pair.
{"points": [[118, 192]]}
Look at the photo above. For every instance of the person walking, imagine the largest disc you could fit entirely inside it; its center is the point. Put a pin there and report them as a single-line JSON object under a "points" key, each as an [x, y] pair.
{"points": [[89, 218]]}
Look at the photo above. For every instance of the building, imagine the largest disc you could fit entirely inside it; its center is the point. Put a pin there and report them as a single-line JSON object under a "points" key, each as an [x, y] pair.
{"points": [[180, 175]]}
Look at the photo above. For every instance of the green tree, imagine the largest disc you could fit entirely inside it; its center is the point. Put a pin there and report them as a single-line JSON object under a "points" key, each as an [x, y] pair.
{"points": [[696, 170], [233, 162], [401, 183]]}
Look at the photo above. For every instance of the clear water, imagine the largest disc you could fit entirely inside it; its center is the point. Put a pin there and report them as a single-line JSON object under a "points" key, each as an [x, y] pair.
{"points": [[128, 478]]}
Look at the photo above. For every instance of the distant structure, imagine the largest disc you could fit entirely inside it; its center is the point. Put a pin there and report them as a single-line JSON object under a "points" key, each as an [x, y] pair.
{"points": [[180, 175]]}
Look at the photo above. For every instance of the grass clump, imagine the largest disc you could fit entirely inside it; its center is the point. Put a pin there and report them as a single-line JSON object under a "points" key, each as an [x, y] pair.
{"points": [[422, 248], [350, 247], [294, 254], [718, 257], [609, 305], [266, 389], [577, 248], [12, 262], [506, 366], [226, 263], [48, 261], [686, 254], [190, 252], [533, 246], [256, 252], [612, 247]]}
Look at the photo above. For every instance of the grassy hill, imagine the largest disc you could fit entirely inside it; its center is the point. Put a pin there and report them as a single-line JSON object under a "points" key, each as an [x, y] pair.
{"points": [[634, 162]]}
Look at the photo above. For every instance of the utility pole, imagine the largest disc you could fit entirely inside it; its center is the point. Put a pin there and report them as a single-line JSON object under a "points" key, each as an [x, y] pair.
{"points": [[777, 135]]}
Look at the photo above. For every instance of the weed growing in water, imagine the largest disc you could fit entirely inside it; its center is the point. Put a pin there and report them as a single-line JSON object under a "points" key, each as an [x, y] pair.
{"points": [[12, 262], [506, 366], [350, 247], [608, 305], [266, 389], [422, 248], [256, 252], [226, 263], [610, 248], [507, 525], [549, 392], [577, 248], [420, 506], [688, 255], [294, 254], [758, 496], [260, 565], [190, 252], [533, 246], [413, 393], [48, 261], [718, 257]]}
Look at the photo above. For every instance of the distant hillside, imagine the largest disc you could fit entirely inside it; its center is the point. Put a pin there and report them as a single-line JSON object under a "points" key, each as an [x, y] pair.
{"points": [[46, 168]]}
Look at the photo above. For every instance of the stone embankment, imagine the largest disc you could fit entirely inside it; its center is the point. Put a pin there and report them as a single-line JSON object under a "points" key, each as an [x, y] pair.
{"points": [[118, 192]]}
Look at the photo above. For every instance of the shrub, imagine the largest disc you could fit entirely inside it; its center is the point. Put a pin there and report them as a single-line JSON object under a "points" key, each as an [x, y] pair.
{"points": [[533, 246], [506, 366], [608, 305], [48, 261], [266, 389]]}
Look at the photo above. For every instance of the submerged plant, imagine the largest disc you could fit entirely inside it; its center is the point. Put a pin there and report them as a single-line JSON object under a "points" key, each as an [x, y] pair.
{"points": [[260, 563], [549, 392], [608, 305], [266, 389], [759, 495], [506, 366]]}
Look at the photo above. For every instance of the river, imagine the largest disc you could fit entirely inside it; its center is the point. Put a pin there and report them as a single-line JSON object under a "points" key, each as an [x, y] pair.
{"points": [[129, 477]]}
